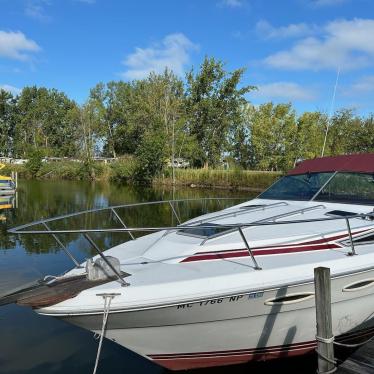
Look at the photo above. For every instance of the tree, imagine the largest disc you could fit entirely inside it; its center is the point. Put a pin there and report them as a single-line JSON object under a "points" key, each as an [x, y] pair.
{"points": [[106, 99], [363, 140], [86, 122], [273, 136], [152, 104], [150, 157], [240, 139], [7, 122], [311, 127], [43, 122], [343, 129], [213, 103]]}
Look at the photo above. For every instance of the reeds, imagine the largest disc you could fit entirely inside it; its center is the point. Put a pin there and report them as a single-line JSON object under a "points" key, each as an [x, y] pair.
{"points": [[232, 179], [123, 171]]}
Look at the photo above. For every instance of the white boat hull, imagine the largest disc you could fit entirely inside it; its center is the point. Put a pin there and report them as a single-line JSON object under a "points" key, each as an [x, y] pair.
{"points": [[237, 328]]}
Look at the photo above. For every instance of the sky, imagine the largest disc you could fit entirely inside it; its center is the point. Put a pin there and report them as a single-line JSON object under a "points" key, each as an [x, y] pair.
{"points": [[293, 50]]}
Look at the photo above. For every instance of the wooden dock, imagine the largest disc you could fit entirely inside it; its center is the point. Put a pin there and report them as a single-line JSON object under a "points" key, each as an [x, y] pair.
{"points": [[360, 362]]}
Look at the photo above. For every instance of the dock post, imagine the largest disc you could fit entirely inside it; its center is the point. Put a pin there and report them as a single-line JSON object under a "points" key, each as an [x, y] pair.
{"points": [[325, 340]]}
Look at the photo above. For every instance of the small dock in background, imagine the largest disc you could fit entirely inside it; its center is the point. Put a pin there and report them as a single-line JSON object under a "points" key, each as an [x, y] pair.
{"points": [[360, 362]]}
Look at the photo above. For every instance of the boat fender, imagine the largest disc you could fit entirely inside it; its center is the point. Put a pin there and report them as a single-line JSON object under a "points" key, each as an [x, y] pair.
{"points": [[99, 269]]}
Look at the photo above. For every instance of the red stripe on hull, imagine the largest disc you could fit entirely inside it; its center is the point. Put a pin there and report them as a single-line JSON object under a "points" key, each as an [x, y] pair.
{"points": [[259, 252], [313, 245], [232, 359], [193, 360]]}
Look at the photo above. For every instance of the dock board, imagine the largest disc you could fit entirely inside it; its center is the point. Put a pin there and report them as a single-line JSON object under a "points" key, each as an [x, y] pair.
{"points": [[360, 362]]}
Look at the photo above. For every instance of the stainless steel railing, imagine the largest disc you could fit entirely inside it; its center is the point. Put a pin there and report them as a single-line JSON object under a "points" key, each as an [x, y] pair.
{"points": [[240, 227]]}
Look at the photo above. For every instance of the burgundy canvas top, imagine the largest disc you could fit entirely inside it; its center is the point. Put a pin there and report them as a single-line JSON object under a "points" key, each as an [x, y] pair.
{"points": [[361, 163]]}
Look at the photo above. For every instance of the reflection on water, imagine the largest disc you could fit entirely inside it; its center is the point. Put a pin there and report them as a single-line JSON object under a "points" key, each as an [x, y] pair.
{"points": [[33, 344]]}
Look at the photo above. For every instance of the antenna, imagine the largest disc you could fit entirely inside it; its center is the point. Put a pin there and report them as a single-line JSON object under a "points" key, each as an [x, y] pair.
{"points": [[331, 110]]}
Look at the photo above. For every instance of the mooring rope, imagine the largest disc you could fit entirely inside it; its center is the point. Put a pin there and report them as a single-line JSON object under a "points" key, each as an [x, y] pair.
{"points": [[107, 301], [333, 362], [353, 345], [325, 340], [332, 340]]}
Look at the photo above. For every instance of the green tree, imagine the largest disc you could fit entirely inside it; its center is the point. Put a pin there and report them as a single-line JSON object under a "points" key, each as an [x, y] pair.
{"points": [[240, 139], [35, 162], [363, 140], [213, 103], [150, 157], [311, 127], [8, 112], [136, 111], [273, 136], [87, 124], [43, 122], [343, 129]]}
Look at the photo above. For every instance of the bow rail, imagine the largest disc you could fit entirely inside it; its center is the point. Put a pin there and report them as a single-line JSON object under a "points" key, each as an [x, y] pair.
{"points": [[190, 225]]}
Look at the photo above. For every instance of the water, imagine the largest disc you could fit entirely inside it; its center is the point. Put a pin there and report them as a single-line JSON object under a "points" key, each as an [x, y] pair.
{"points": [[34, 344]]}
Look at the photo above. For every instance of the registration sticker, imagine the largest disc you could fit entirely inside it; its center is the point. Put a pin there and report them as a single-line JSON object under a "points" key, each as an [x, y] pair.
{"points": [[255, 295]]}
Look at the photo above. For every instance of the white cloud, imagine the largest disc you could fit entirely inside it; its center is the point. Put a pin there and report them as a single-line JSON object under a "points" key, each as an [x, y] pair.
{"points": [[294, 30], [36, 9], [232, 3], [172, 53], [13, 90], [16, 46], [343, 43], [364, 85], [285, 91]]}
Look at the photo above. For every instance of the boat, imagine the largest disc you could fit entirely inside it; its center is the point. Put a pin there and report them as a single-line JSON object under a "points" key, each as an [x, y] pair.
{"points": [[229, 286]]}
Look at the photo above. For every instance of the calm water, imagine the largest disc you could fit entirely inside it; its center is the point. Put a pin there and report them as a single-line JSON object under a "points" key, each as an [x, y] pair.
{"points": [[33, 344]]}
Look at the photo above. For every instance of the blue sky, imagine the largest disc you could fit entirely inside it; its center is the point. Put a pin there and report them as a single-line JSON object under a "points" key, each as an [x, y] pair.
{"points": [[292, 49]]}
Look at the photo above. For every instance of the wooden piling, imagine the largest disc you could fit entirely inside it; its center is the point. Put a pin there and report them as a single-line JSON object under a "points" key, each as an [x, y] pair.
{"points": [[325, 345]]}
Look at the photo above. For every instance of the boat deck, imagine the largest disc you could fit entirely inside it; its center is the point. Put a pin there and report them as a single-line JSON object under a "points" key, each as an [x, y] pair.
{"points": [[46, 294]]}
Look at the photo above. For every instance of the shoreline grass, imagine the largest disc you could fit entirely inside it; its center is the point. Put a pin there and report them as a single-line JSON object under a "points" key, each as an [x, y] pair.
{"points": [[233, 179], [213, 178]]}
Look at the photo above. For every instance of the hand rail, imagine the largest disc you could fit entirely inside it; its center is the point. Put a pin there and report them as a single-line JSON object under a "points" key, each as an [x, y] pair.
{"points": [[112, 209], [18, 230], [121, 221], [248, 248], [268, 219], [74, 214], [353, 251], [240, 211], [59, 242], [24, 229], [175, 213]]}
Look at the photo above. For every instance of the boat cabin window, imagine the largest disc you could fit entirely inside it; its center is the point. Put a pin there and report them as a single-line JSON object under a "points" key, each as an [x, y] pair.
{"points": [[354, 188], [205, 232], [296, 187]]}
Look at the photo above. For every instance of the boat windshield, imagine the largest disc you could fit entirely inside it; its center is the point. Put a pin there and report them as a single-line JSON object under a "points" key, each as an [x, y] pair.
{"points": [[353, 188], [296, 187]]}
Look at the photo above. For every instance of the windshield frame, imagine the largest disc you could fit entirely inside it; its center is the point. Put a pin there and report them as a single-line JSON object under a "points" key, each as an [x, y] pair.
{"points": [[298, 198]]}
